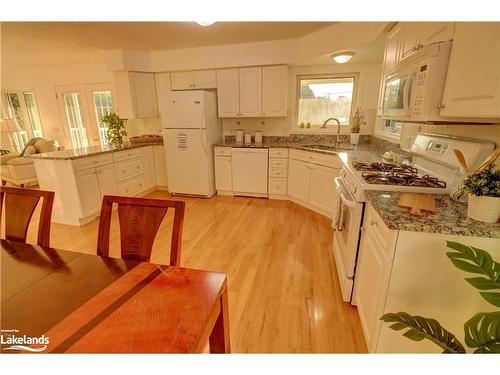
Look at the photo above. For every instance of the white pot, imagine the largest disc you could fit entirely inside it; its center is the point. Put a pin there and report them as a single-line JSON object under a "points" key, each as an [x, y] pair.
{"points": [[485, 209], [354, 138]]}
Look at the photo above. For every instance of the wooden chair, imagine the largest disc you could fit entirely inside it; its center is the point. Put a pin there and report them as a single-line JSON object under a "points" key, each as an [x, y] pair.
{"points": [[139, 220], [19, 207]]}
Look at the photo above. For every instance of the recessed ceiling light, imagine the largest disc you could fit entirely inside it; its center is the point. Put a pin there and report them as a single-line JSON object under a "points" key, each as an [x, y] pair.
{"points": [[342, 57], [205, 23]]}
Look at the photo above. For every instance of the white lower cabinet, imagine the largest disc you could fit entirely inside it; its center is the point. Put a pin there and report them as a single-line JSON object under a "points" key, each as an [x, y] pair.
{"points": [[311, 180], [298, 180], [88, 189], [373, 274], [80, 184]]}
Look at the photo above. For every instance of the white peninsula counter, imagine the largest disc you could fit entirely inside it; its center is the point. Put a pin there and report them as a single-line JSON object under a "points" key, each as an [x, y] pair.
{"points": [[80, 177]]}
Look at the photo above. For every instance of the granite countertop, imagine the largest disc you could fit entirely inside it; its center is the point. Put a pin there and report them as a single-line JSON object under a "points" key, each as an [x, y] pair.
{"points": [[450, 217], [368, 152], [79, 153]]}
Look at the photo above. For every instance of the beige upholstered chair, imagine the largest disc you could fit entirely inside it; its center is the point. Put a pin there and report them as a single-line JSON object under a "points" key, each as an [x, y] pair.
{"points": [[20, 171]]}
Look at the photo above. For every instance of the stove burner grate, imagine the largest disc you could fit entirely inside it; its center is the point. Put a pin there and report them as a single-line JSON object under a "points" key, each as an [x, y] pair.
{"points": [[384, 167], [402, 179]]}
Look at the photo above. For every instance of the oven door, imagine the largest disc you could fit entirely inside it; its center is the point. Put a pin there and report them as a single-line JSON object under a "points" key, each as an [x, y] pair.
{"points": [[347, 225], [397, 94]]}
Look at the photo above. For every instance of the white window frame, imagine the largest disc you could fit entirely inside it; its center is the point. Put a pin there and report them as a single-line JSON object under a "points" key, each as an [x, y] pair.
{"points": [[22, 137], [381, 131], [330, 129]]}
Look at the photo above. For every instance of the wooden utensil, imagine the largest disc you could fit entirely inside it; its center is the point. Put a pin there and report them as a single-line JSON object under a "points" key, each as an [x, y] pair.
{"points": [[488, 161], [417, 203], [460, 157]]}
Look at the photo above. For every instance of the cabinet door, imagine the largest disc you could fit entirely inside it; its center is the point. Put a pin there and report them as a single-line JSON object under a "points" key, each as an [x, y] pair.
{"points": [[250, 92], [148, 164], [160, 165], [88, 189], [322, 187], [228, 94], [223, 173], [182, 80], [408, 39], [433, 32], [107, 180], [298, 180], [204, 79], [274, 91], [391, 57], [472, 88], [144, 95]]}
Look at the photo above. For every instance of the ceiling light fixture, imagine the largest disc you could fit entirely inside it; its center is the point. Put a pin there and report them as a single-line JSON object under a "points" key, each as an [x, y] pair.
{"points": [[342, 57], [205, 23]]}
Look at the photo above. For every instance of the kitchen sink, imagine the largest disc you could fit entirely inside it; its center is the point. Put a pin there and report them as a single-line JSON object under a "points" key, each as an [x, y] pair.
{"points": [[327, 148]]}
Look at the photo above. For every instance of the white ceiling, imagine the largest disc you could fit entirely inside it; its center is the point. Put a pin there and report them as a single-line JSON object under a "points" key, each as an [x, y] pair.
{"points": [[154, 36]]}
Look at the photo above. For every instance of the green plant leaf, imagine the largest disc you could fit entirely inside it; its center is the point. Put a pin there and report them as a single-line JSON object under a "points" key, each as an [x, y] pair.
{"points": [[482, 332], [491, 297], [420, 328], [473, 260]]}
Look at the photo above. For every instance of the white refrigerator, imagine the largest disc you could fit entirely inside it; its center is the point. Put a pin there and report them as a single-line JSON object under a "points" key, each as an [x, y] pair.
{"points": [[190, 127]]}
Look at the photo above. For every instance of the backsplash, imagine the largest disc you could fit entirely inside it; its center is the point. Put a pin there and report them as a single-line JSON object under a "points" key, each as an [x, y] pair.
{"points": [[303, 138]]}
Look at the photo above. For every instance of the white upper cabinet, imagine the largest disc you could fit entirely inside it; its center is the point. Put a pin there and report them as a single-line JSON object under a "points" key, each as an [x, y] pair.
{"points": [[253, 92], [228, 93], [194, 80], [250, 92], [136, 95], [274, 91], [472, 87], [414, 35]]}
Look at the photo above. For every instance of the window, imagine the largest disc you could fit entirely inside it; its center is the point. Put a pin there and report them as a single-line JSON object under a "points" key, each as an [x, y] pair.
{"points": [[103, 105], [34, 119], [21, 106], [320, 98]]}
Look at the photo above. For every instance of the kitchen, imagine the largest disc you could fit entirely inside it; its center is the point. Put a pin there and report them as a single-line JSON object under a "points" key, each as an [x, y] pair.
{"points": [[347, 149]]}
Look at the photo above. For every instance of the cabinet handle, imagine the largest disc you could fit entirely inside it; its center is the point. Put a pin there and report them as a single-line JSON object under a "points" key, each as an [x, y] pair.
{"points": [[373, 222], [440, 106]]}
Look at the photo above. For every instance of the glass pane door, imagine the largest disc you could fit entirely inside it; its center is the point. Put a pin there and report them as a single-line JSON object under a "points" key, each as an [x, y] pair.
{"points": [[74, 115], [103, 105], [34, 119], [21, 137]]}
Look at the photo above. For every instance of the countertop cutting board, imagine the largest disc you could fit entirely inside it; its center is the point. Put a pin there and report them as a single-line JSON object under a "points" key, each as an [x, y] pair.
{"points": [[417, 203]]}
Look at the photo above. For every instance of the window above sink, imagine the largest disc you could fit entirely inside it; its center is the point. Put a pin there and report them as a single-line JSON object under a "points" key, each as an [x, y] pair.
{"points": [[319, 97]]}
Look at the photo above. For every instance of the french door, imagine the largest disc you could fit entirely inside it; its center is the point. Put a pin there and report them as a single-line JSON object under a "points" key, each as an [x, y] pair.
{"points": [[82, 108]]}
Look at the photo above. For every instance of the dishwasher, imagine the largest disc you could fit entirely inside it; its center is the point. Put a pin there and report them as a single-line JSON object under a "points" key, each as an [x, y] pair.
{"points": [[250, 171]]}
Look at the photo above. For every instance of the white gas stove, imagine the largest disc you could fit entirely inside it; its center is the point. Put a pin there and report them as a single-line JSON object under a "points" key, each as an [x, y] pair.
{"points": [[432, 171]]}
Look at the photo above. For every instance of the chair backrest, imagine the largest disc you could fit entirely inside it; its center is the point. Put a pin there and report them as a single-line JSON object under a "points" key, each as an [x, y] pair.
{"points": [[19, 207], [139, 220]]}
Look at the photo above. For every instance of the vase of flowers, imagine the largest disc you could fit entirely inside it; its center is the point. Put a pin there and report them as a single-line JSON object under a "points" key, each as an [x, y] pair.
{"points": [[357, 121], [115, 129], [484, 195]]}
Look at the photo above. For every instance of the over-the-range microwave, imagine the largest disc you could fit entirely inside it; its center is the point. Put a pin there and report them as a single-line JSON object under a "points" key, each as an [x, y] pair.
{"points": [[413, 88]]}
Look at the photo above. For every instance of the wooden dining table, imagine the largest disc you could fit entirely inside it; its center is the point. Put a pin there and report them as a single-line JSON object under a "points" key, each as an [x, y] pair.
{"points": [[84, 303]]}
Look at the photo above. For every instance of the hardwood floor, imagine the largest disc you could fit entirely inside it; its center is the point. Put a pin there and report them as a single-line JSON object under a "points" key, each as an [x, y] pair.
{"points": [[284, 296]]}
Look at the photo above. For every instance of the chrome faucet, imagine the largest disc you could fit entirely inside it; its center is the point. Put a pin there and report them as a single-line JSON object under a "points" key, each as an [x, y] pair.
{"points": [[338, 129]]}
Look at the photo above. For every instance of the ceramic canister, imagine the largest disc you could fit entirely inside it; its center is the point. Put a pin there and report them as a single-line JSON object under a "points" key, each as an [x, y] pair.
{"points": [[239, 136], [258, 137], [248, 138]]}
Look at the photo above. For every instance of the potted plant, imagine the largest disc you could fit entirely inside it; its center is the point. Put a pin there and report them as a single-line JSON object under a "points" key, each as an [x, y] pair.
{"points": [[115, 129], [484, 195], [482, 331], [357, 121]]}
